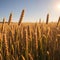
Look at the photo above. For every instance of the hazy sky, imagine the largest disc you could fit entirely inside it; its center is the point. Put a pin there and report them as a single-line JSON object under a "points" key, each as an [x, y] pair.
{"points": [[34, 9]]}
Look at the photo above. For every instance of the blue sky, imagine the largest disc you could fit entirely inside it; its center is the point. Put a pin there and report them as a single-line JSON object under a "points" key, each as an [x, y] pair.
{"points": [[34, 9]]}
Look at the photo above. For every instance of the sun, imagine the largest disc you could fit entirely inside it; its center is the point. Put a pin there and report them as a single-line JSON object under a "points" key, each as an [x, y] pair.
{"points": [[58, 6]]}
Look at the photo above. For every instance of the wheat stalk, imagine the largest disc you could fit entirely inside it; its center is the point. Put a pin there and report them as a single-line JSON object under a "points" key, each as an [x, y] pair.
{"points": [[47, 19], [58, 21], [1, 58], [23, 58], [26, 42], [22, 15], [30, 56], [6, 46], [10, 19], [3, 25]]}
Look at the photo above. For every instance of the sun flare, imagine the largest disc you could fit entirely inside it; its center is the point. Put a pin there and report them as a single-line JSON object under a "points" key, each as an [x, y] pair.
{"points": [[58, 6]]}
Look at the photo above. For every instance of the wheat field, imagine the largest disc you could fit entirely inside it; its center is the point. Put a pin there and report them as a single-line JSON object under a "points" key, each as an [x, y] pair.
{"points": [[29, 41]]}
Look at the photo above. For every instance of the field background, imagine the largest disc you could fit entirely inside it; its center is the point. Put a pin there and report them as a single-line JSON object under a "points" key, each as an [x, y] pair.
{"points": [[29, 41]]}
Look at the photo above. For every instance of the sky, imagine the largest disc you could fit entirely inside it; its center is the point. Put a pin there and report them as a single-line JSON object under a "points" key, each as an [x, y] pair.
{"points": [[34, 10]]}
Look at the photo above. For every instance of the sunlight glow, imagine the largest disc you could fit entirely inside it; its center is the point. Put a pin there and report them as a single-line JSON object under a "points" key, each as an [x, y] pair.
{"points": [[58, 6]]}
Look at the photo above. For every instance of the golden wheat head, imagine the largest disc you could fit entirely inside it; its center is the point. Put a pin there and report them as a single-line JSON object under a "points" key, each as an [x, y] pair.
{"points": [[22, 15], [10, 18], [47, 19]]}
